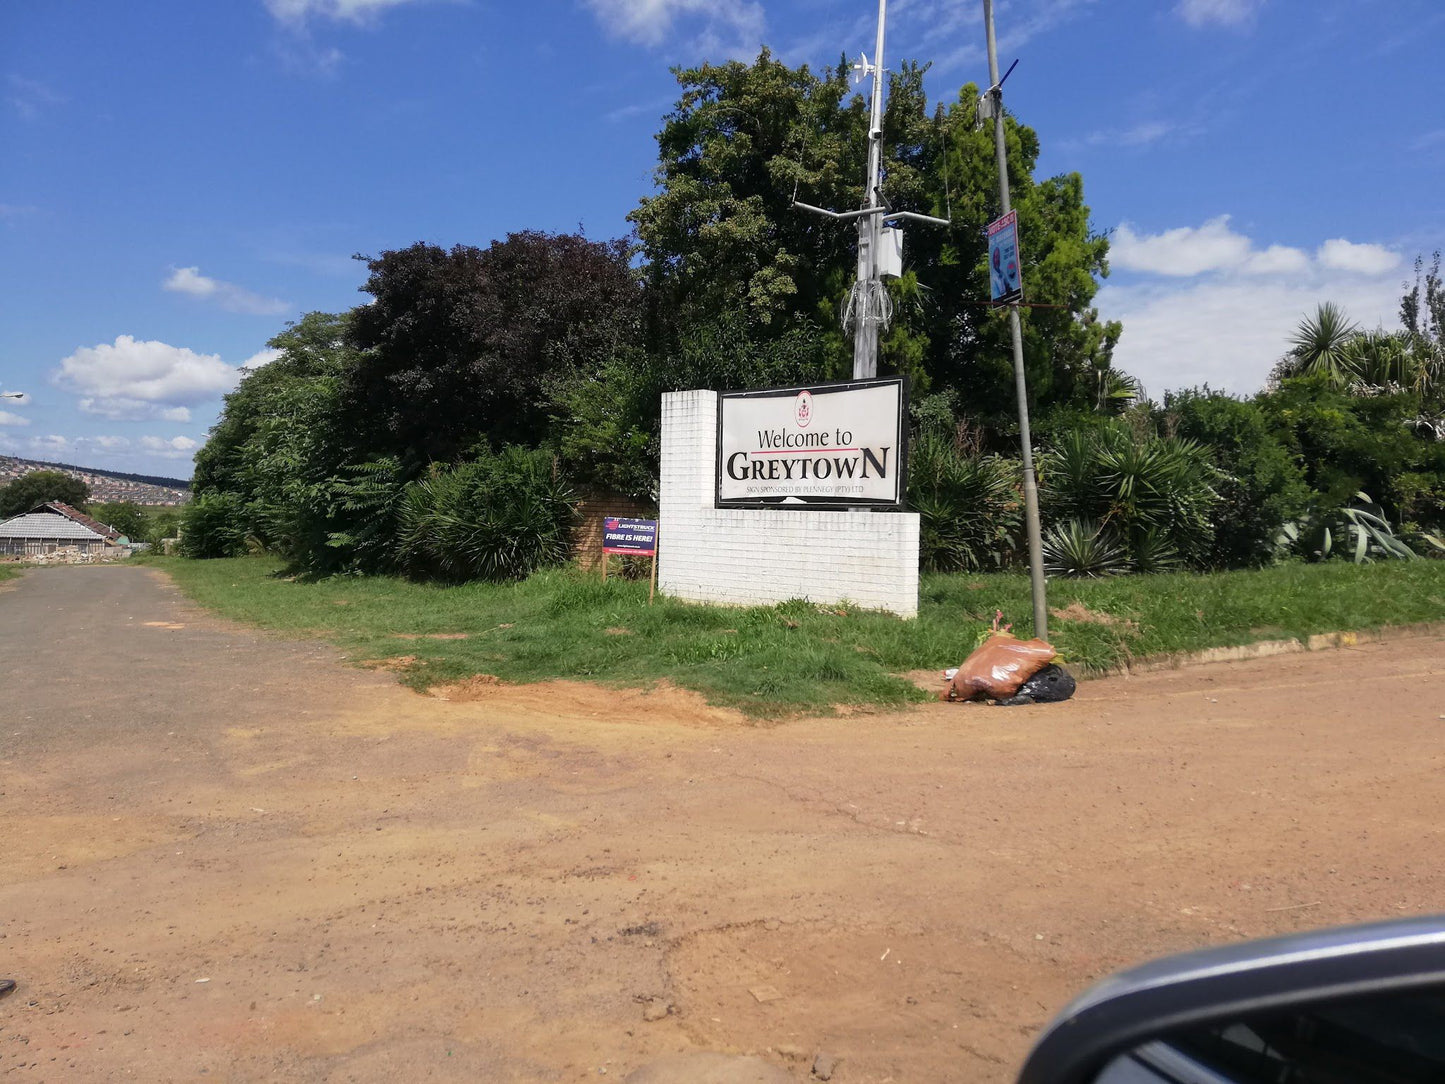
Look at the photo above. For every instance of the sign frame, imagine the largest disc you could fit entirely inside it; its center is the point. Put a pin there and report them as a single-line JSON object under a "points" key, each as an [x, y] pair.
{"points": [[898, 503], [1003, 240], [625, 523]]}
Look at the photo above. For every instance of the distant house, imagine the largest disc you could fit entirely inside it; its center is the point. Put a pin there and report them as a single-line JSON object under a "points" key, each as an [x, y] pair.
{"points": [[53, 526]]}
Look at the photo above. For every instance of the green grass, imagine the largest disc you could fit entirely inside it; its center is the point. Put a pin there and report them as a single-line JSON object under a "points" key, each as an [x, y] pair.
{"points": [[793, 657], [9, 571]]}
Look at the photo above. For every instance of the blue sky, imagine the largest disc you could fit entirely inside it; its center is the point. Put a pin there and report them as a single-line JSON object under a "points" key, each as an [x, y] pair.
{"points": [[179, 178]]}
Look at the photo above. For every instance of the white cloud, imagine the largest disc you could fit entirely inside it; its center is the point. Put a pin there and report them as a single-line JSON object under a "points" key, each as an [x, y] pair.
{"points": [[1182, 251], [134, 378], [232, 298], [1215, 247], [731, 27], [6, 418], [354, 11], [30, 98], [122, 409], [1426, 140], [108, 444], [52, 444], [932, 22], [1277, 260], [1207, 306], [1342, 255], [1219, 12], [172, 448], [260, 358], [1228, 330]]}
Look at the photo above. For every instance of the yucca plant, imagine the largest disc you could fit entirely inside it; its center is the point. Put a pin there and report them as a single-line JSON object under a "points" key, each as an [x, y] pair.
{"points": [[970, 509], [1081, 548], [1154, 496]]}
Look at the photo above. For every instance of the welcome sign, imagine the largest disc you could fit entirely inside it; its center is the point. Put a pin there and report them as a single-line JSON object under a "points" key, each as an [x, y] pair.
{"points": [[823, 446]]}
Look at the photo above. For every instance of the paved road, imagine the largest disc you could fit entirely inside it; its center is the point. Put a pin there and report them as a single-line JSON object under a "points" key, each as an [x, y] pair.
{"points": [[232, 855]]}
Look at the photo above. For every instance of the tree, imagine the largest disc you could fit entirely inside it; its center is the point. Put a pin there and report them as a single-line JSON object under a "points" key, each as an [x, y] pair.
{"points": [[467, 344], [719, 234], [608, 420], [40, 487], [1422, 311], [124, 516], [1260, 483]]}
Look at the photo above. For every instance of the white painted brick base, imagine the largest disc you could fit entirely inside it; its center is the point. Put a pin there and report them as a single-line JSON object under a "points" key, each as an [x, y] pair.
{"points": [[752, 556]]}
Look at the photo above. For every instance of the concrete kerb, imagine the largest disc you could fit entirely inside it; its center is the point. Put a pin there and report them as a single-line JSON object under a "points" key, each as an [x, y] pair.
{"points": [[1263, 649]]}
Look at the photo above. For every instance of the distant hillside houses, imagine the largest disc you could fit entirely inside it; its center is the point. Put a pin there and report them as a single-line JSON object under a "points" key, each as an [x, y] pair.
{"points": [[105, 486]]}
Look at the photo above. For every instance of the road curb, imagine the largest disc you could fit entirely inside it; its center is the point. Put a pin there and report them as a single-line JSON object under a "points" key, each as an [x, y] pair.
{"points": [[1263, 649]]}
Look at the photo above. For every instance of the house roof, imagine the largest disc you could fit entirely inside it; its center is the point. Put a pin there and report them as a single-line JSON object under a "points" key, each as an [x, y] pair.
{"points": [[46, 525], [56, 520], [77, 516]]}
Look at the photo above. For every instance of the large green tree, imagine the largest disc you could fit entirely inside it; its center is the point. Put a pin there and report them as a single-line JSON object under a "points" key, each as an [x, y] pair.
{"points": [[39, 487], [720, 234], [280, 438]]}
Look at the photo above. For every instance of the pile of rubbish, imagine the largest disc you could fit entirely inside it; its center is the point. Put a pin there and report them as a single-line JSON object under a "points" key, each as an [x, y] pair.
{"points": [[73, 555], [1009, 671]]}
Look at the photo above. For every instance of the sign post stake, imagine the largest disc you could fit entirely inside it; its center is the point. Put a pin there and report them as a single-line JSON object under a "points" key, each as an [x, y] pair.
{"points": [[652, 587], [1031, 488]]}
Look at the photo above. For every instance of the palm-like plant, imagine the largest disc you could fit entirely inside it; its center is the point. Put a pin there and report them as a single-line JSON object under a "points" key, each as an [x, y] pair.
{"points": [[1115, 391], [1082, 549], [1320, 345], [1155, 496], [1380, 359]]}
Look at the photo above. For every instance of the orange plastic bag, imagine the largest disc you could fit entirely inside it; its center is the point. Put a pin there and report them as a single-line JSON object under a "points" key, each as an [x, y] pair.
{"points": [[999, 667]]}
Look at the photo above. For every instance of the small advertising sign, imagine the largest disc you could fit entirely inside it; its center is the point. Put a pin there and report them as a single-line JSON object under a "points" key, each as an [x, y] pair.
{"points": [[1005, 280], [823, 446], [631, 537]]}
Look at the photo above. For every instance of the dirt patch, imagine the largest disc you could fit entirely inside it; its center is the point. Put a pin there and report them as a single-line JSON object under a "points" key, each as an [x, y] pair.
{"points": [[394, 664], [663, 702], [552, 880], [1081, 614], [430, 635], [617, 630]]}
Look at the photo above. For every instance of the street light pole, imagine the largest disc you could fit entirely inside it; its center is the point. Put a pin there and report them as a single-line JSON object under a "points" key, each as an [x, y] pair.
{"points": [[1031, 489]]}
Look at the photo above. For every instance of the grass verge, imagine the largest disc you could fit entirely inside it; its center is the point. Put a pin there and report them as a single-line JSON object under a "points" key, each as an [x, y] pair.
{"points": [[9, 571], [793, 657]]}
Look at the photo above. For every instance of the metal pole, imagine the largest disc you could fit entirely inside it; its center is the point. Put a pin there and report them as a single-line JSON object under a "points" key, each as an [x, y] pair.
{"points": [[1031, 488], [865, 332]]}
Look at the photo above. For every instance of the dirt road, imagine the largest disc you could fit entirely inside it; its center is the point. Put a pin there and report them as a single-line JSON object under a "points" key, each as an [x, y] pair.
{"points": [[234, 856]]}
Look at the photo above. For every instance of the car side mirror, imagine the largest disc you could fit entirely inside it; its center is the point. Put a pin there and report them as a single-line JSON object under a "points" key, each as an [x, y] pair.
{"points": [[1362, 1003]]}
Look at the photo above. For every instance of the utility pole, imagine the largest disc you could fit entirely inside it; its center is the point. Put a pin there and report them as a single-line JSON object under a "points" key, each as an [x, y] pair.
{"points": [[1031, 488], [867, 308]]}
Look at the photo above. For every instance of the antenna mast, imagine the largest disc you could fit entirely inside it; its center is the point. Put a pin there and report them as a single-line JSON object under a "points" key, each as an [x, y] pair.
{"points": [[867, 307]]}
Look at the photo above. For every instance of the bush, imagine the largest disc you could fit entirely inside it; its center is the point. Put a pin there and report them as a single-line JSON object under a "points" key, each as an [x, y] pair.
{"points": [[969, 507], [1153, 495], [214, 525], [1260, 483], [498, 517], [1081, 548]]}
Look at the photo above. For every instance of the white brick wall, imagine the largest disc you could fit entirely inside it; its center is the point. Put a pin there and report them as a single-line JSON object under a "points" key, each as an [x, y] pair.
{"points": [[748, 555]]}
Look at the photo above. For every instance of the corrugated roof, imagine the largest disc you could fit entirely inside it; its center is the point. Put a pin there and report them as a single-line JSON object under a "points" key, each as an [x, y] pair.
{"points": [[80, 517], [46, 525]]}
